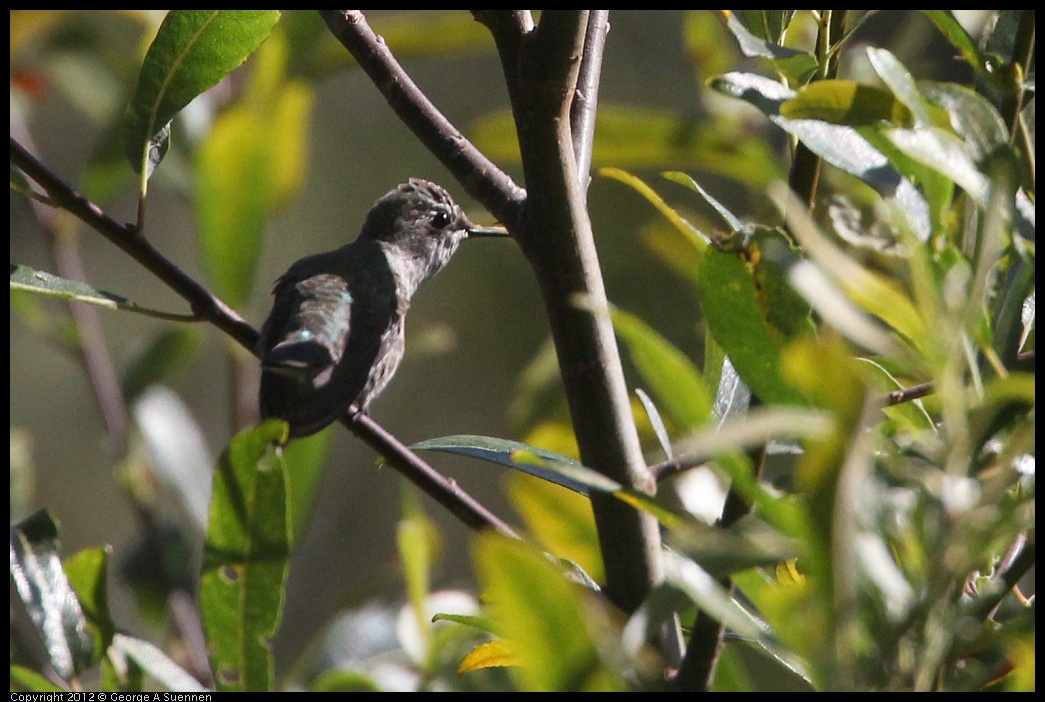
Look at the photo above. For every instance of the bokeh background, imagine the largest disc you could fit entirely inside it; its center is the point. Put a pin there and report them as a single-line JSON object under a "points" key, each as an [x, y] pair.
{"points": [[473, 331]]}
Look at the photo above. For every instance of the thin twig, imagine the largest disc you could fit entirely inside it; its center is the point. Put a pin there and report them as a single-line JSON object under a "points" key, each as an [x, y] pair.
{"points": [[478, 175], [586, 97]]}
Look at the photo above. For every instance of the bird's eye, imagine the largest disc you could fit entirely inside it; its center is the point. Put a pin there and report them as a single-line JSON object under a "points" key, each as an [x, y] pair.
{"points": [[441, 219]]}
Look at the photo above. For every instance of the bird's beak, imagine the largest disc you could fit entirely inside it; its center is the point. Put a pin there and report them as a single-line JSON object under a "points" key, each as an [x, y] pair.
{"points": [[487, 232]]}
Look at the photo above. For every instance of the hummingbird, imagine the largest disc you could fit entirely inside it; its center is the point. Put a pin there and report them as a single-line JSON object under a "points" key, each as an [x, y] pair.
{"points": [[335, 335]]}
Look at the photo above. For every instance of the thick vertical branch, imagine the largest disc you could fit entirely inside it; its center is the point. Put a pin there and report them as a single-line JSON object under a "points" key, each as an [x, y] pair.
{"points": [[557, 239], [550, 222]]}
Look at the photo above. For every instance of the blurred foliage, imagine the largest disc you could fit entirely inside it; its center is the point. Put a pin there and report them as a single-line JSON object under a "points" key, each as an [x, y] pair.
{"points": [[880, 313]]}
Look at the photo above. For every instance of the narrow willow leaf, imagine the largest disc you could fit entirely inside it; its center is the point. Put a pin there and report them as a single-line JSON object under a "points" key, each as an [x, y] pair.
{"points": [[192, 51], [794, 63], [960, 39], [755, 428], [943, 152], [733, 397], [157, 664], [42, 586], [43, 283], [700, 239], [973, 118], [87, 571], [656, 421], [672, 378], [561, 521], [245, 559], [514, 454], [910, 415], [549, 466], [895, 75], [25, 680], [416, 543], [250, 163], [869, 290], [748, 543], [731, 220]]}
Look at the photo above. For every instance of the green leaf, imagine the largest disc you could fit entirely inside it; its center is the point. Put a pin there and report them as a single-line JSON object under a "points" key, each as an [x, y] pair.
{"points": [[42, 586], [895, 75], [544, 616], [416, 543], [25, 680], [672, 378], [245, 558], [660, 430], [945, 153], [768, 25], [305, 459], [960, 39], [43, 283], [553, 467], [87, 572], [732, 221], [841, 146], [733, 309], [846, 102], [534, 461], [910, 416], [871, 291], [697, 237], [798, 65], [344, 681], [747, 543], [192, 51], [972, 117], [711, 596], [560, 520]]}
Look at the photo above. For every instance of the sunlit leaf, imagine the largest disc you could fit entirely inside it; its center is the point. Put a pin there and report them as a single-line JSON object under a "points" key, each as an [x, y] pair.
{"points": [[543, 615], [845, 102], [38, 578], [159, 666], [492, 654], [192, 51], [792, 62]]}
